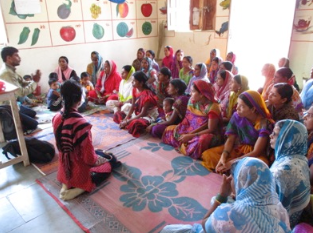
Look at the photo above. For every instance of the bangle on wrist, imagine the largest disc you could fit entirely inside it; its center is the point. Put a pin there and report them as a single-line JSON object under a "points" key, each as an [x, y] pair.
{"points": [[217, 201], [220, 198]]}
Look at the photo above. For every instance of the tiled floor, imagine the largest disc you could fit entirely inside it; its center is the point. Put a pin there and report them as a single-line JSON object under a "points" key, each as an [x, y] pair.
{"points": [[26, 207]]}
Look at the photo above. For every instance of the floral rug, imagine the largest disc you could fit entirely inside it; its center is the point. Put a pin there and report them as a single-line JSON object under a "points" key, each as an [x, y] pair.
{"points": [[154, 187], [106, 134]]}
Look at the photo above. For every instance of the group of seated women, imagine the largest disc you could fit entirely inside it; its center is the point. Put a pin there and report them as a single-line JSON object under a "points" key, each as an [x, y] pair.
{"points": [[209, 113]]}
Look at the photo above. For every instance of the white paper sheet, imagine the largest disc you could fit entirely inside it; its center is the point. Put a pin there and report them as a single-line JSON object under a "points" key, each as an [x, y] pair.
{"points": [[27, 6]]}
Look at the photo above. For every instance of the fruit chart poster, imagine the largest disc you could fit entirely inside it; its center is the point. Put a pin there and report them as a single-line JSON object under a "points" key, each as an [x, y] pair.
{"points": [[65, 22]]}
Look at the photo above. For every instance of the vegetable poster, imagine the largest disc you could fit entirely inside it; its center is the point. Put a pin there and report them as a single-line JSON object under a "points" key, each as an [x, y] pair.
{"points": [[65, 22]]}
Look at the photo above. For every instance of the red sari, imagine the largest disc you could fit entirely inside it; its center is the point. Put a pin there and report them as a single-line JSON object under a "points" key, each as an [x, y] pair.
{"points": [[107, 85]]}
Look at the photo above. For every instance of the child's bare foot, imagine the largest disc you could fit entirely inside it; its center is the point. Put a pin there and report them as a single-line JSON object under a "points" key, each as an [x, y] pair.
{"points": [[71, 194]]}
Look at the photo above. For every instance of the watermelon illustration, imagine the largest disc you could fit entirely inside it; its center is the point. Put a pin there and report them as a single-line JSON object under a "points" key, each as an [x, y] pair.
{"points": [[146, 28], [130, 33], [122, 29]]}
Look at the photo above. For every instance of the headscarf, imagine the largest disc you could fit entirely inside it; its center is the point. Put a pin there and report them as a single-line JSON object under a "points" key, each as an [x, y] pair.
{"points": [[176, 65], [202, 76], [290, 168], [225, 89], [269, 79], [307, 94], [257, 207], [126, 87], [96, 69], [168, 60], [66, 73], [149, 67], [234, 95], [257, 101], [206, 89], [105, 76], [234, 69]]}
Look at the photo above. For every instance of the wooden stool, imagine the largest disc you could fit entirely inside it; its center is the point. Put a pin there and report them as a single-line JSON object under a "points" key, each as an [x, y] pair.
{"points": [[6, 95]]}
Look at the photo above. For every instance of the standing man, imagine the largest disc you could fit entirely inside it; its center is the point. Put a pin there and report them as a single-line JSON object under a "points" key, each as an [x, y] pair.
{"points": [[11, 59]]}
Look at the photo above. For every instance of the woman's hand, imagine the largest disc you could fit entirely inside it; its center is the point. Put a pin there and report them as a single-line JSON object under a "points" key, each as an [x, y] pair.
{"points": [[149, 128], [185, 138], [221, 163], [227, 165], [123, 124], [225, 189]]}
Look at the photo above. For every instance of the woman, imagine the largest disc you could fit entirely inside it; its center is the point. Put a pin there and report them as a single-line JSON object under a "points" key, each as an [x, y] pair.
{"points": [[279, 101], [137, 62], [307, 94], [232, 58], [284, 75], [213, 53], [164, 78], [284, 62], [150, 54], [177, 64], [124, 91], [168, 60], [268, 71], [64, 71], [222, 89], [144, 109], [107, 85], [308, 122], [239, 84], [95, 67], [290, 169], [256, 208], [200, 73], [200, 129], [186, 73], [247, 134], [146, 67], [80, 168], [176, 90], [214, 69]]}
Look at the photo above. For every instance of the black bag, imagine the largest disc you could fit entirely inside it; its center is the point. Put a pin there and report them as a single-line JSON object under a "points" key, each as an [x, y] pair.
{"points": [[7, 122], [38, 151]]}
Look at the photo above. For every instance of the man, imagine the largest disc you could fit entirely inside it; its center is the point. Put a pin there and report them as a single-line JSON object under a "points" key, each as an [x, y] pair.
{"points": [[11, 59]]}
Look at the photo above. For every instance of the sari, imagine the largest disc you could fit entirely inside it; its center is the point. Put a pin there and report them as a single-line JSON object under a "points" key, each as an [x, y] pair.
{"points": [[167, 61], [197, 115], [245, 131], [107, 84], [287, 111], [290, 169], [233, 98], [94, 71], [186, 76], [202, 76], [65, 74], [180, 107], [222, 92], [124, 93], [208, 62], [269, 80], [175, 67], [257, 208], [77, 157], [137, 62], [234, 69], [150, 72], [307, 94]]}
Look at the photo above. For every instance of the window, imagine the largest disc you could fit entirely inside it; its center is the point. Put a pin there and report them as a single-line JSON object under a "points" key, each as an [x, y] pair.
{"points": [[178, 15]]}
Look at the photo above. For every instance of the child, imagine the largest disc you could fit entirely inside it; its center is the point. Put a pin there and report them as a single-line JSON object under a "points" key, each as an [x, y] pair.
{"points": [[85, 82], [80, 168], [83, 103], [54, 99], [168, 107]]}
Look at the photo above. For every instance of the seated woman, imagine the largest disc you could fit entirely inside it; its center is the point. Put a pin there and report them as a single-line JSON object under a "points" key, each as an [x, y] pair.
{"points": [[290, 169], [150, 54], [307, 94], [95, 67], [284, 62], [146, 67], [200, 73], [176, 90], [222, 89], [168, 60], [164, 78], [279, 101], [284, 75], [124, 91], [200, 129], [80, 168], [177, 63], [213, 53], [268, 71], [256, 208], [64, 71], [107, 84], [186, 72], [215, 64], [239, 84], [232, 58], [137, 62], [247, 134], [144, 109]]}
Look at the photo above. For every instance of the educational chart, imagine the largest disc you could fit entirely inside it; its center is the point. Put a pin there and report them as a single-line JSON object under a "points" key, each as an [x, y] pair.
{"points": [[66, 22]]}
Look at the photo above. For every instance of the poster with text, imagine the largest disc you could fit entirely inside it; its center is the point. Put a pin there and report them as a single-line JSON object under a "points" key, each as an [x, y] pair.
{"points": [[10, 15], [67, 33], [64, 10], [97, 31], [126, 10], [29, 35], [96, 10], [147, 28], [123, 30], [147, 9]]}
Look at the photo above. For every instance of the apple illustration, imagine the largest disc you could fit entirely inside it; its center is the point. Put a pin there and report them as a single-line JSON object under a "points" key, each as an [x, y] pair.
{"points": [[67, 33], [146, 9]]}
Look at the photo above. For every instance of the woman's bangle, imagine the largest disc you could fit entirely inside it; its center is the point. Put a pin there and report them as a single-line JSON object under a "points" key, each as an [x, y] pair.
{"points": [[220, 198], [217, 201]]}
